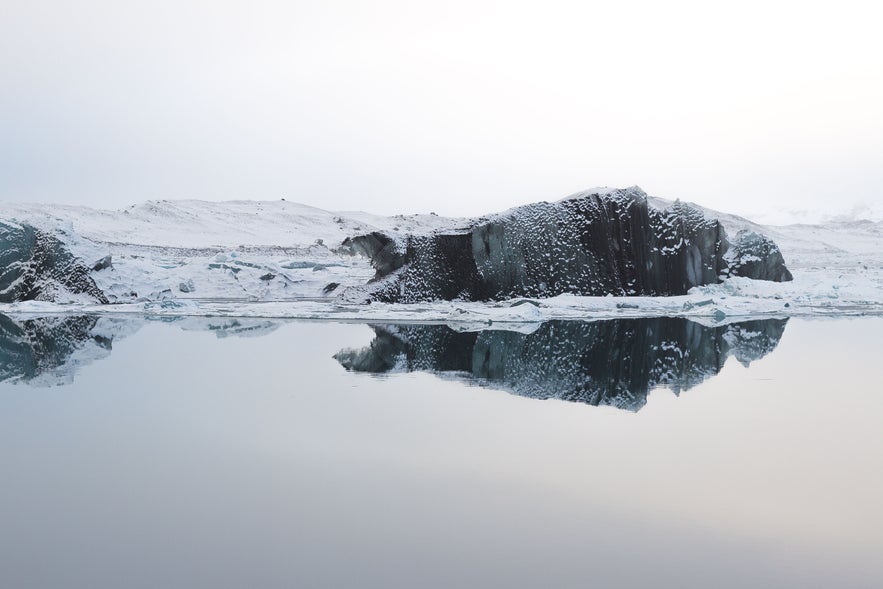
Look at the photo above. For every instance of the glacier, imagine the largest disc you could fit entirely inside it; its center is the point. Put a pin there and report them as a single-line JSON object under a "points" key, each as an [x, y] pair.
{"points": [[283, 259], [590, 244], [36, 265]]}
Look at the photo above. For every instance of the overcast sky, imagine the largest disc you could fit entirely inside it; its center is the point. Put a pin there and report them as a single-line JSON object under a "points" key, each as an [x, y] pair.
{"points": [[453, 107]]}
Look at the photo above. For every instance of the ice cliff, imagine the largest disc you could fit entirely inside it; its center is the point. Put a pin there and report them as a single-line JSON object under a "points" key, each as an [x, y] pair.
{"points": [[601, 242], [35, 265], [593, 244]]}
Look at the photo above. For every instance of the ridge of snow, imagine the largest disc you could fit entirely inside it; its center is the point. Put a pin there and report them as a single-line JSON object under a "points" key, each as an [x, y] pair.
{"points": [[199, 224]]}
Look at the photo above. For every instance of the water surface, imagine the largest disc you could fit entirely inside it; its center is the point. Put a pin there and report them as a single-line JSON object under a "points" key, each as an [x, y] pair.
{"points": [[230, 453]]}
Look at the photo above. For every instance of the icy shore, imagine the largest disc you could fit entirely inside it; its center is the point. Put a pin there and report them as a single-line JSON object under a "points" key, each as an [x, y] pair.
{"points": [[282, 259]]}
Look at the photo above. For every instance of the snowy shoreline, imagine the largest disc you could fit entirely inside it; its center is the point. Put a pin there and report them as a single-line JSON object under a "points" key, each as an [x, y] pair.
{"points": [[696, 306], [205, 259]]}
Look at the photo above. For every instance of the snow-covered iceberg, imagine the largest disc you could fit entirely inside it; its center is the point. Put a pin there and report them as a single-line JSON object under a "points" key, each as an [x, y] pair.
{"points": [[590, 244], [35, 265], [283, 259]]}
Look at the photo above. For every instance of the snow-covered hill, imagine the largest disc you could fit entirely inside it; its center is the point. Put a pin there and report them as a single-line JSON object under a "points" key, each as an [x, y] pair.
{"points": [[190, 249], [286, 259]]}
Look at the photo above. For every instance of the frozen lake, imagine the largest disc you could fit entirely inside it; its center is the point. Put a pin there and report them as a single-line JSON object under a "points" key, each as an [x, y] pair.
{"points": [[258, 453]]}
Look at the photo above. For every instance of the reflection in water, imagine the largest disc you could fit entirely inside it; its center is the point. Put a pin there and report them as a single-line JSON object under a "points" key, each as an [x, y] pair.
{"points": [[48, 351], [615, 362], [41, 351], [187, 459]]}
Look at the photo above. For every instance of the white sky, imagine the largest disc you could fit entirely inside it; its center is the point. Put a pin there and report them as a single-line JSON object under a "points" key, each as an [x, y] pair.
{"points": [[453, 107]]}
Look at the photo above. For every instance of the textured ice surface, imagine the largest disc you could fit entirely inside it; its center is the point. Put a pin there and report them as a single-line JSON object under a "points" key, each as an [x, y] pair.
{"points": [[36, 265], [590, 244], [281, 259]]}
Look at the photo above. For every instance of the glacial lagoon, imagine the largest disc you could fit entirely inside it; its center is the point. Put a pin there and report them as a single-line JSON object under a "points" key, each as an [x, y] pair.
{"points": [[220, 452]]}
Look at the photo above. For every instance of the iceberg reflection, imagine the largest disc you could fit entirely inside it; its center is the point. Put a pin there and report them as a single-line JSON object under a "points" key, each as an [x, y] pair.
{"points": [[50, 350], [45, 351], [612, 362]]}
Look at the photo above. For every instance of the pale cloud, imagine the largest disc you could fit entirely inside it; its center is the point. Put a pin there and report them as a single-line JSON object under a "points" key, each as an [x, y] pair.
{"points": [[459, 108]]}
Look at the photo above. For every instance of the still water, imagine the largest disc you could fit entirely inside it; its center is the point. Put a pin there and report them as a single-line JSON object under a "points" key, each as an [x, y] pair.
{"points": [[256, 453]]}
